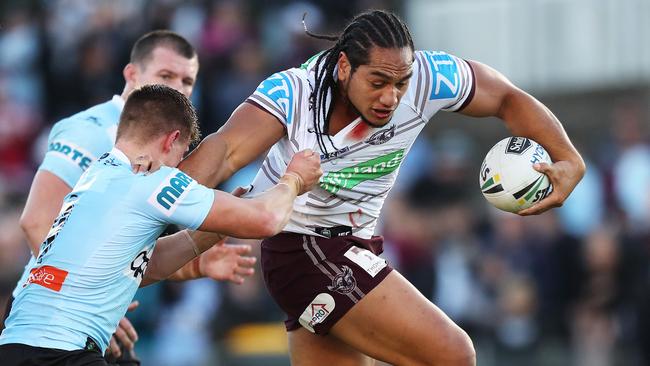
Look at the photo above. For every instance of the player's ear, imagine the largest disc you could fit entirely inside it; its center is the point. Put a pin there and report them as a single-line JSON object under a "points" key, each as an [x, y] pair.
{"points": [[344, 66], [170, 139], [130, 72]]}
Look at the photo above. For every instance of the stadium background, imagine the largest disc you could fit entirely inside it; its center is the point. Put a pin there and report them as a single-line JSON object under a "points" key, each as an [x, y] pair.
{"points": [[570, 287]]}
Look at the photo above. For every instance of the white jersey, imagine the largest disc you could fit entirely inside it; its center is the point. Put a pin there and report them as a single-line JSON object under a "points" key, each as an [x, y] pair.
{"points": [[359, 173]]}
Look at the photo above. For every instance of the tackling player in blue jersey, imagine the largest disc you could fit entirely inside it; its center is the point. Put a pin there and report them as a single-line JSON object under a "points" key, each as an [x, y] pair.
{"points": [[158, 57], [102, 246]]}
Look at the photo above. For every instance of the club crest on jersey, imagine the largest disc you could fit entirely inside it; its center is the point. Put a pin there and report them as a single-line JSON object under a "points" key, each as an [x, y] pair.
{"points": [[172, 190], [344, 282], [107, 159], [381, 137]]}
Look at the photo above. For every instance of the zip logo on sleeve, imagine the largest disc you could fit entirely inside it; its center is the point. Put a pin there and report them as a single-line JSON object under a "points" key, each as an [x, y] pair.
{"points": [[73, 153], [446, 81], [170, 192]]}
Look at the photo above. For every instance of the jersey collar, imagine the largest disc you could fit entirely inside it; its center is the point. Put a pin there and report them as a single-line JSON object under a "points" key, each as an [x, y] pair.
{"points": [[120, 155]]}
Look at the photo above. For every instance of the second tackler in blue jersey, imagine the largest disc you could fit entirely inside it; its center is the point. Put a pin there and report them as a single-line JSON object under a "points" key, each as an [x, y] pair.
{"points": [[76, 142]]}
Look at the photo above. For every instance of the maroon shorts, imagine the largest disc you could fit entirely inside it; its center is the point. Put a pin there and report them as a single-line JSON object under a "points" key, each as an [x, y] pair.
{"points": [[317, 280]]}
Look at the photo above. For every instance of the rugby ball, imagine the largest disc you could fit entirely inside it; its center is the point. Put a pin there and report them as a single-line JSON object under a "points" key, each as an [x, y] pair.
{"points": [[507, 177]]}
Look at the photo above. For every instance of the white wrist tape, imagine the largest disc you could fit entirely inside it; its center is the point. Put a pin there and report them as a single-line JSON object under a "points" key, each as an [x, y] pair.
{"points": [[181, 239], [191, 242]]}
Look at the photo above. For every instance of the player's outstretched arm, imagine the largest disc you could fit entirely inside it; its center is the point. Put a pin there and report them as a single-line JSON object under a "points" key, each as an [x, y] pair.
{"points": [[42, 206], [525, 116], [176, 251], [262, 216], [175, 258], [266, 214], [247, 134]]}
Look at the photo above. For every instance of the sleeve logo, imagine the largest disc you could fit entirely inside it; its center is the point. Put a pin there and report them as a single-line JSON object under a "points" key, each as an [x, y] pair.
{"points": [[73, 153], [446, 82], [278, 89], [173, 189]]}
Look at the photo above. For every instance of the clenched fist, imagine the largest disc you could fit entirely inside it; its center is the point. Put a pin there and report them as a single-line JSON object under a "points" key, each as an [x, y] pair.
{"points": [[305, 167]]}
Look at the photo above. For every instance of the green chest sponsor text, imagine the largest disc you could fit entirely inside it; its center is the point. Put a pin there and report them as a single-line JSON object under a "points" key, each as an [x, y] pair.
{"points": [[350, 177]]}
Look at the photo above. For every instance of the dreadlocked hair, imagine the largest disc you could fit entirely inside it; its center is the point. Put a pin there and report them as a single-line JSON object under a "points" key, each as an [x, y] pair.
{"points": [[372, 28]]}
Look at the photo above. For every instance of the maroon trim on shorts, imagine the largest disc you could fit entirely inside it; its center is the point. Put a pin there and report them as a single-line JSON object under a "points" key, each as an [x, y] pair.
{"points": [[297, 268]]}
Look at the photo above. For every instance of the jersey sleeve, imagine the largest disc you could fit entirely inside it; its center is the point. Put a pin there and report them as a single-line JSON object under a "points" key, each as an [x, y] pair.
{"points": [[179, 199], [71, 149], [276, 96], [444, 82]]}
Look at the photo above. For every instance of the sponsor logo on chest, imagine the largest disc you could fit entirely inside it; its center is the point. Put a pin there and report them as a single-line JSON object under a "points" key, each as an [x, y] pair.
{"points": [[350, 177]]}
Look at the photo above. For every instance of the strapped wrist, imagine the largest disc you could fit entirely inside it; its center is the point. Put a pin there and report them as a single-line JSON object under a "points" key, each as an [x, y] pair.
{"points": [[295, 178], [191, 242]]}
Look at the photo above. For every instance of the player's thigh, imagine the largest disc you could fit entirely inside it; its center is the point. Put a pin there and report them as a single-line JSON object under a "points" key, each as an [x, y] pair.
{"points": [[306, 348], [397, 324]]}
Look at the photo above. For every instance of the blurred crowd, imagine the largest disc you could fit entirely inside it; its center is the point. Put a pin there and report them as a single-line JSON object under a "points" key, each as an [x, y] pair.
{"points": [[569, 287]]}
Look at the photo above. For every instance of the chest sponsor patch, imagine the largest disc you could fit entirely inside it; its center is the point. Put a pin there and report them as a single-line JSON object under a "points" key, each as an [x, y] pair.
{"points": [[170, 192], [350, 177], [48, 277], [366, 259], [317, 311]]}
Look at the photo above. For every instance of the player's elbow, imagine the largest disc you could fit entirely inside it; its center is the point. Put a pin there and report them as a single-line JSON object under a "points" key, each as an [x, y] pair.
{"points": [[27, 222], [581, 167], [30, 224]]}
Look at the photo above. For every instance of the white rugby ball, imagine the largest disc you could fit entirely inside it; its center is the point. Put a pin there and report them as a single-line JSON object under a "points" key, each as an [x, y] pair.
{"points": [[507, 177]]}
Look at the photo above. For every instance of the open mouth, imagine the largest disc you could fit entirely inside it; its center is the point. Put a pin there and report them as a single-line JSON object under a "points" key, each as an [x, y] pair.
{"points": [[382, 113]]}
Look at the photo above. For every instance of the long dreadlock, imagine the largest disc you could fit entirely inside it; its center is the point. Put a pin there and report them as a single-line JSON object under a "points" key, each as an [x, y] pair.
{"points": [[373, 28]]}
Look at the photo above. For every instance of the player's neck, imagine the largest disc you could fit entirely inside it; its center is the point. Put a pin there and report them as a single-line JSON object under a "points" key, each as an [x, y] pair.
{"points": [[128, 89], [134, 150], [343, 113]]}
